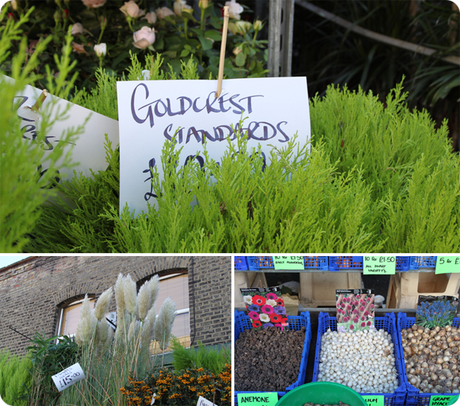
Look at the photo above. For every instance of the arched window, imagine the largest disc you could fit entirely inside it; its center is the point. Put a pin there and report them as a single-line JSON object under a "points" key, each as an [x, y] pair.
{"points": [[174, 284], [175, 287], [70, 316]]}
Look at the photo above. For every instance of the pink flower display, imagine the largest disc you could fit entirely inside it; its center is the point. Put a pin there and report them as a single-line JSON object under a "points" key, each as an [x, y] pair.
{"points": [[144, 37]]}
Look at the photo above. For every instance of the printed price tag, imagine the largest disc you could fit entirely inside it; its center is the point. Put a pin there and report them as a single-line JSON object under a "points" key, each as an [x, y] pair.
{"points": [[68, 377], [204, 402], [374, 400], [258, 399], [379, 265], [448, 264], [287, 263], [441, 400]]}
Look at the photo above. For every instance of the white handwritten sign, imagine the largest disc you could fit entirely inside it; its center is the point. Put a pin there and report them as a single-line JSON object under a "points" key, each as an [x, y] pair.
{"points": [[68, 377], [150, 112], [88, 150], [204, 402]]}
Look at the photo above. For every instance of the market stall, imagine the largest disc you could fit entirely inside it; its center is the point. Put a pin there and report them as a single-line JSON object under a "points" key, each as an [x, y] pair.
{"points": [[390, 355]]}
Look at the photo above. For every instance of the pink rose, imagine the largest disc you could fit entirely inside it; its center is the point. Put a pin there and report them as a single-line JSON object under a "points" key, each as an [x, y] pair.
{"points": [[150, 17], [93, 3], [131, 9], [144, 37], [234, 9], [77, 28], [164, 12]]}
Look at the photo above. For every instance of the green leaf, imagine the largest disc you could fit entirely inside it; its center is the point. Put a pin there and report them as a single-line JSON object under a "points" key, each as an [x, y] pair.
{"points": [[213, 34], [184, 53], [240, 59], [205, 43]]}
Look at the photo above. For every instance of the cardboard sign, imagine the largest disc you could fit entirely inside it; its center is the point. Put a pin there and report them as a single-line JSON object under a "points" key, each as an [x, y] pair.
{"points": [[88, 150], [68, 377], [287, 263], [374, 400], [204, 402], [447, 264], [379, 265], [150, 112], [258, 399], [441, 400]]}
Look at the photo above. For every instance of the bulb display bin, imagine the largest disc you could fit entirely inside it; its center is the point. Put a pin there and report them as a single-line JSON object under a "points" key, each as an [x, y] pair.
{"points": [[387, 323], [322, 392], [243, 322], [414, 396]]}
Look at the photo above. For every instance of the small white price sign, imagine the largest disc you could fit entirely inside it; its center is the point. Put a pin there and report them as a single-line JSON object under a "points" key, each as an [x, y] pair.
{"points": [[204, 402], [68, 377]]}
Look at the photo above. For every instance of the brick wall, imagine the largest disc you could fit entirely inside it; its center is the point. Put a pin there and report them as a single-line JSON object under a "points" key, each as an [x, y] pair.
{"points": [[33, 291]]}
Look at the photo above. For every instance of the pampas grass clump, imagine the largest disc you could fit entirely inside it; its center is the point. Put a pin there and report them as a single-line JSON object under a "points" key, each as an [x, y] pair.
{"points": [[108, 358]]}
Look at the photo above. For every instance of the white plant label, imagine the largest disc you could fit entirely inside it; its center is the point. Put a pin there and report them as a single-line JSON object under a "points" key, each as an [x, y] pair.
{"points": [[3, 403], [204, 402], [68, 377], [88, 150], [150, 112]]}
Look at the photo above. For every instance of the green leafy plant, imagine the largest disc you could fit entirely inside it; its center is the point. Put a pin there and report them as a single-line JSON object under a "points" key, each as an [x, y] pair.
{"points": [[25, 184], [15, 378], [49, 356], [201, 357], [356, 188]]}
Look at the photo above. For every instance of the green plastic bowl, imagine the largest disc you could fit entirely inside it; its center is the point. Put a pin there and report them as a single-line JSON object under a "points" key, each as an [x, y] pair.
{"points": [[322, 392], [453, 401]]}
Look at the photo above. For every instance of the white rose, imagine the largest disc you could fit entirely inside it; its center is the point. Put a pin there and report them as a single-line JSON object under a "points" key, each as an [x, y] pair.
{"points": [[77, 28], [100, 49], [234, 9]]}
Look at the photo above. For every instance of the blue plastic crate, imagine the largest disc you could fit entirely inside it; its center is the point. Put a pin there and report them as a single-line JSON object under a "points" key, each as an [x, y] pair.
{"points": [[243, 322], [414, 397], [387, 323], [403, 264], [241, 263], [422, 262], [345, 262], [351, 262], [266, 262]]}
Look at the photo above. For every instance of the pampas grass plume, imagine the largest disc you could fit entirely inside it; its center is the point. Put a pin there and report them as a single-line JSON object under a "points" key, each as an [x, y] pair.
{"points": [[87, 323], [164, 323], [103, 303], [154, 287], [129, 288], [148, 328], [143, 301], [120, 294]]}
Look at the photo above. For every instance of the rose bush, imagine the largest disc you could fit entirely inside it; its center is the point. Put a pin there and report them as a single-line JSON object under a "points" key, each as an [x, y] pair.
{"points": [[172, 28]]}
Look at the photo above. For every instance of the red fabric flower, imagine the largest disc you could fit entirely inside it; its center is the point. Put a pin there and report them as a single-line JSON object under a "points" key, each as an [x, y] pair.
{"points": [[256, 324], [258, 300], [275, 318], [279, 302]]}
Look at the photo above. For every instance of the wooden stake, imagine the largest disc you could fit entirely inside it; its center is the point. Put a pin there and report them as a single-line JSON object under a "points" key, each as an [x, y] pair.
{"points": [[40, 100], [222, 52]]}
